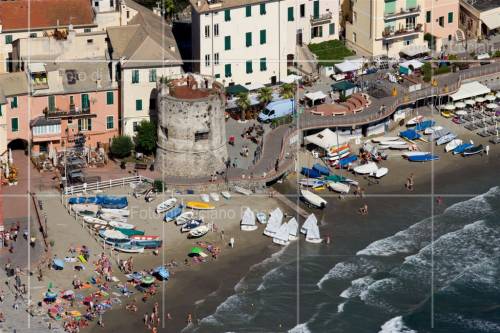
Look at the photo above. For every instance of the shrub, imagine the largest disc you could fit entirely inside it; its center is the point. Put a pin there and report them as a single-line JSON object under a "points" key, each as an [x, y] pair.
{"points": [[121, 146], [145, 139], [158, 185]]}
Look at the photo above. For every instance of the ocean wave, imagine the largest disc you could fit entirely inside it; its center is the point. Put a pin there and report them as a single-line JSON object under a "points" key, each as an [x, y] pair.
{"points": [[375, 293], [395, 325], [300, 328], [340, 307], [348, 270], [472, 324], [274, 274], [357, 286], [475, 208]]}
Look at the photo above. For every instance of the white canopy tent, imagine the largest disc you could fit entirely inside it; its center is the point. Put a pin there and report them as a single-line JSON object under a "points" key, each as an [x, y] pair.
{"points": [[492, 21], [292, 78], [414, 50], [415, 63], [325, 139], [314, 96], [470, 90], [350, 66]]}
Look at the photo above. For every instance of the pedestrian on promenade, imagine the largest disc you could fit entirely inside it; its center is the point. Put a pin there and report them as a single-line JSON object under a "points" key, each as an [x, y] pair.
{"points": [[231, 242]]}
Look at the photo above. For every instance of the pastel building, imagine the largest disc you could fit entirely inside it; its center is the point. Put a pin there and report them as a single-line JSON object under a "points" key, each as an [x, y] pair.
{"points": [[441, 20], [480, 18], [254, 41]]}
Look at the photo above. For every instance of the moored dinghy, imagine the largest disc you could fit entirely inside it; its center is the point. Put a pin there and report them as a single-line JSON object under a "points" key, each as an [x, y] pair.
{"points": [[85, 209], [166, 205], [339, 187], [310, 221], [226, 195], [313, 199], [293, 229], [121, 225], [274, 222], [381, 172], [184, 218], [94, 220], [172, 214], [452, 145], [261, 217], [313, 235], [366, 169], [122, 212], [200, 231], [199, 205], [473, 150], [191, 225], [281, 236], [113, 218], [445, 139], [248, 220], [129, 248], [214, 196]]}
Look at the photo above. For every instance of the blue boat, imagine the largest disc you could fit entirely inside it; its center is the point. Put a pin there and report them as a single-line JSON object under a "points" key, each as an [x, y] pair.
{"points": [[310, 173], [409, 134], [461, 148], [149, 244], [424, 125], [191, 225], [423, 158], [323, 170], [161, 272], [173, 213], [343, 163], [106, 201]]}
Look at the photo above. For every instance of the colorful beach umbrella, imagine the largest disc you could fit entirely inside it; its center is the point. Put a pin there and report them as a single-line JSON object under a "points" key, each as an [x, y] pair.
{"points": [[461, 113], [196, 250], [449, 107], [492, 106]]}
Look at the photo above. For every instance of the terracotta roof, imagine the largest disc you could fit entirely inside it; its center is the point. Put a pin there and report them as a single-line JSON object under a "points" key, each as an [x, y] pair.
{"points": [[44, 13]]}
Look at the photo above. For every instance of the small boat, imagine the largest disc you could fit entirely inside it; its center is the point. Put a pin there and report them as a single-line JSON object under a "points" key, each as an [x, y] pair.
{"points": [[393, 143], [85, 209], [338, 149], [150, 195], [400, 147], [121, 225], [381, 172], [415, 153], [461, 148], [421, 126], [343, 163], [205, 197], [423, 158], [147, 280], [241, 190], [113, 218], [172, 214], [385, 138], [414, 121], [94, 220], [311, 182], [432, 129], [409, 134], [323, 170], [293, 229], [312, 235], [366, 169], [308, 223], [313, 199], [184, 218], [439, 134], [261, 217], [473, 150], [161, 273], [452, 145], [281, 236], [248, 220], [274, 222], [447, 114], [339, 187], [200, 231], [129, 248], [112, 235], [122, 212], [214, 196], [199, 205], [191, 225], [130, 232], [338, 156], [310, 173], [166, 205], [445, 139], [226, 195], [148, 242]]}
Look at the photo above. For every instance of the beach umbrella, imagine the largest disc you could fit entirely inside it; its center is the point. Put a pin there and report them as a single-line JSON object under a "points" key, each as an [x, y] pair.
{"points": [[460, 105], [480, 99], [498, 95], [470, 102], [195, 251], [58, 263], [68, 293], [490, 98], [11, 160], [449, 107], [147, 280], [461, 113], [492, 106]]}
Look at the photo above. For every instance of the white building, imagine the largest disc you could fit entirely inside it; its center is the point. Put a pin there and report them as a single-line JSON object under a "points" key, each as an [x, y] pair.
{"points": [[253, 41]]}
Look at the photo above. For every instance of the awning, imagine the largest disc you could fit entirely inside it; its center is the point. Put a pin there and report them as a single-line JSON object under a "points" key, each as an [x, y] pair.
{"points": [[414, 50], [470, 90], [324, 139], [254, 86], [492, 21], [315, 95], [415, 63], [350, 66], [292, 78], [236, 89], [36, 67], [343, 85]]}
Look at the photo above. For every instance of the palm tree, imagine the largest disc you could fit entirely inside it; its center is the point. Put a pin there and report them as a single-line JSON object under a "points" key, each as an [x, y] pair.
{"points": [[265, 95], [169, 8], [243, 103], [287, 90]]}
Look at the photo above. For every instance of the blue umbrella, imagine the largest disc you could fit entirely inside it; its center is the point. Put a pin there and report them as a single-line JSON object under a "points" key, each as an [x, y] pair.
{"points": [[58, 263]]}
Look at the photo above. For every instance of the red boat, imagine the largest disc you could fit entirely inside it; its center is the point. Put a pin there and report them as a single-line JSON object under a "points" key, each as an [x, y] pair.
{"points": [[144, 237]]}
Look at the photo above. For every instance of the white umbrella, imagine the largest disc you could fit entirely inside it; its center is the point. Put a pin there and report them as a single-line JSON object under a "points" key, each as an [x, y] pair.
{"points": [[470, 102], [11, 160], [460, 105], [480, 99], [7, 172], [461, 113], [449, 107], [498, 94], [490, 98], [492, 106]]}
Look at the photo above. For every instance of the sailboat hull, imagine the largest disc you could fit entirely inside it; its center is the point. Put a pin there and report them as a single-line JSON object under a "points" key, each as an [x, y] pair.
{"points": [[249, 227], [314, 240], [280, 242], [269, 233]]}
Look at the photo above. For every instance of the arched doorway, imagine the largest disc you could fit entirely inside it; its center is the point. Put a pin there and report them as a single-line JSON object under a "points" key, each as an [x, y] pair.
{"points": [[153, 108], [18, 144]]}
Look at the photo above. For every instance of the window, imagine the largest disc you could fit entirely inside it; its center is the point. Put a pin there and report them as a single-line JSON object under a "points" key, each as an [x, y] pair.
{"points": [[135, 124], [46, 129], [14, 123], [302, 10], [135, 76], [198, 136], [263, 37], [96, 3], [411, 4], [450, 17], [248, 39], [216, 30], [249, 66], [441, 21], [263, 8], [111, 3], [411, 23], [138, 105], [216, 58], [428, 16], [152, 75], [227, 43], [128, 13], [354, 37], [13, 103], [217, 76], [290, 14], [85, 124], [207, 60], [331, 29], [317, 31], [110, 98], [263, 64], [52, 103], [227, 70], [85, 102], [90, 41], [1, 114], [109, 122], [354, 17], [33, 35], [316, 9], [207, 31], [390, 7], [86, 30], [8, 39], [248, 11], [227, 15]]}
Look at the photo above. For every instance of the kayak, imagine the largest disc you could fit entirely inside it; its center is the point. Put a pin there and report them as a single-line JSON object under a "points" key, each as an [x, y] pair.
{"points": [[199, 205]]}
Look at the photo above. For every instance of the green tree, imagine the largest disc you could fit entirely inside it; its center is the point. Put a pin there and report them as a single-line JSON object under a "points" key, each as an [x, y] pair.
{"points": [[427, 70], [265, 95], [243, 103], [169, 8], [287, 90], [121, 146], [146, 137]]}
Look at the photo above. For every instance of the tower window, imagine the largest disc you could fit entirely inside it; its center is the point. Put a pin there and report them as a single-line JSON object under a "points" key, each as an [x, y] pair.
{"points": [[198, 136]]}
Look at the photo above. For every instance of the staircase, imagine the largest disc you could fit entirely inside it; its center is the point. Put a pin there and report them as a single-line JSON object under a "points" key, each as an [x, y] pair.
{"points": [[460, 36], [306, 61]]}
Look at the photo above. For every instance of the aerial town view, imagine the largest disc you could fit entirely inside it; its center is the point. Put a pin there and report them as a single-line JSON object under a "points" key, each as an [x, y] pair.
{"points": [[250, 166]]}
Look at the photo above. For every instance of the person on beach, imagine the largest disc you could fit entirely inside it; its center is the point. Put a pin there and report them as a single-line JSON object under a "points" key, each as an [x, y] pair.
{"points": [[169, 316], [189, 319], [364, 210], [231, 242], [146, 319]]}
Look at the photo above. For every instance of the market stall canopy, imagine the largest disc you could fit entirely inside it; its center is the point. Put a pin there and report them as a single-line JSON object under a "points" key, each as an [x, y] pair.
{"points": [[324, 139], [415, 63], [36, 67], [236, 89], [460, 105], [314, 96], [292, 78], [469, 90], [343, 85], [350, 65], [414, 50], [254, 86], [492, 21]]}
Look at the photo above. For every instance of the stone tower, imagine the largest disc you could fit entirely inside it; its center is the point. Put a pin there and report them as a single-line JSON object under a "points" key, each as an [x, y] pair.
{"points": [[191, 127]]}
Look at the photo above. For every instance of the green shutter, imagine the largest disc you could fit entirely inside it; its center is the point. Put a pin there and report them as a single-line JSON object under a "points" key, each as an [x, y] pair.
{"points": [[89, 124], [263, 37], [135, 76], [15, 124], [8, 39], [428, 16], [80, 124], [13, 103], [263, 64], [249, 66], [1, 114], [109, 98], [85, 102], [263, 9], [450, 17], [52, 103], [331, 28], [152, 75], [227, 70], [109, 122], [138, 104], [410, 4], [248, 11], [290, 14], [390, 7], [227, 15], [227, 43], [316, 9], [248, 39], [217, 76]]}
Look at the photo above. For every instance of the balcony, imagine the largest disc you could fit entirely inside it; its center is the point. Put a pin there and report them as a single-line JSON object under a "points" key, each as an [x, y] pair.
{"points": [[321, 19], [72, 112], [401, 33], [403, 13]]}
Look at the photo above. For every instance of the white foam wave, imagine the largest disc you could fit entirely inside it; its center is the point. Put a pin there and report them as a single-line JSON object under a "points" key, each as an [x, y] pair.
{"points": [[374, 293], [348, 271], [301, 328], [357, 286], [340, 307], [474, 325], [395, 325], [474, 208]]}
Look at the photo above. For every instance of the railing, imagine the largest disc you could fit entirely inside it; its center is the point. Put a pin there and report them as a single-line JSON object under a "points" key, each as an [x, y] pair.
{"points": [[388, 34], [59, 113], [322, 17], [101, 185], [403, 13]]}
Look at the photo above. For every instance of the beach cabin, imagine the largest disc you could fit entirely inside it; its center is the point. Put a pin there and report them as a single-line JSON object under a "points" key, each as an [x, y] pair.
{"points": [[409, 67], [344, 88]]}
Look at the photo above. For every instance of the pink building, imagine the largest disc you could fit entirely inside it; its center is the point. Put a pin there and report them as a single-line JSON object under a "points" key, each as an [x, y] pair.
{"points": [[441, 19]]}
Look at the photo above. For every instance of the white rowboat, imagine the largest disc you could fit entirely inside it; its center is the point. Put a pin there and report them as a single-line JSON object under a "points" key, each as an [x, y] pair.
{"points": [[166, 205], [313, 199], [339, 187]]}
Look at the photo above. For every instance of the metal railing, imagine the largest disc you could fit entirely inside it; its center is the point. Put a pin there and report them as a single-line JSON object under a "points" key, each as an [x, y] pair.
{"points": [[101, 185], [403, 12]]}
